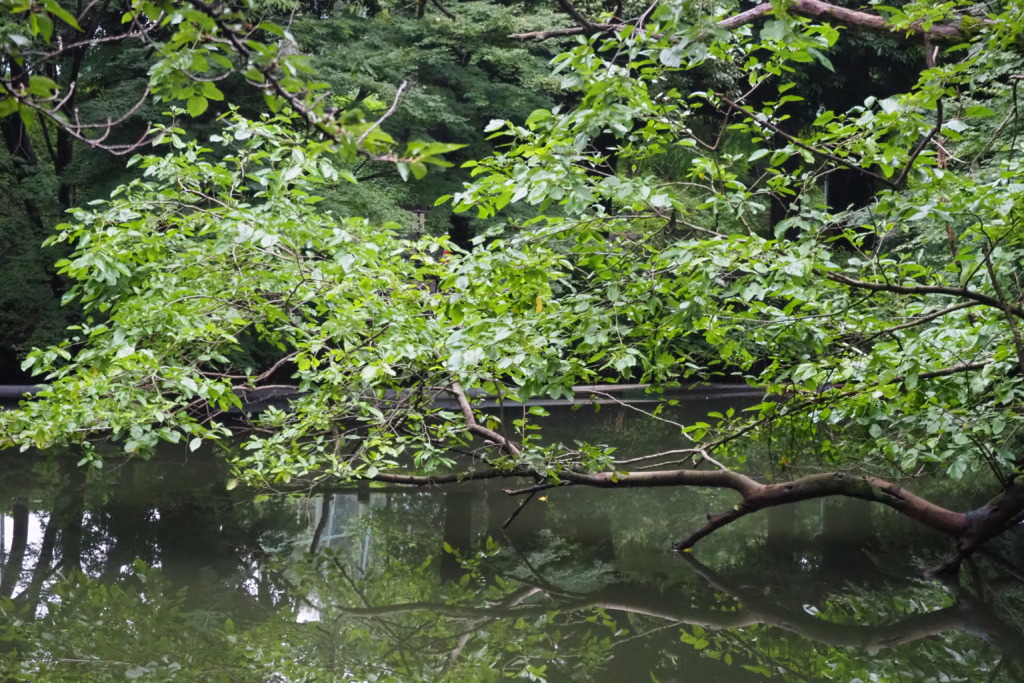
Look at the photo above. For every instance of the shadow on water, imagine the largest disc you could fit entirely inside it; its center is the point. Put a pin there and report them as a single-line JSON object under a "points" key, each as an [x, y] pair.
{"points": [[154, 571]]}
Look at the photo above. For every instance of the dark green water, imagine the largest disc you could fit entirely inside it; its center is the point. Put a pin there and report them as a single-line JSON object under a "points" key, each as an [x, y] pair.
{"points": [[153, 571]]}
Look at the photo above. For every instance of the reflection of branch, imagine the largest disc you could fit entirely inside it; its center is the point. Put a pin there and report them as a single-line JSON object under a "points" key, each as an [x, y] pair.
{"points": [[321, 524], [967, 615], [15, 562]]}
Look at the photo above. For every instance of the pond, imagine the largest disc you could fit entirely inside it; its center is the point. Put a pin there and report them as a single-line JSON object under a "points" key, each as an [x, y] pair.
{"points": [[155, 571]]}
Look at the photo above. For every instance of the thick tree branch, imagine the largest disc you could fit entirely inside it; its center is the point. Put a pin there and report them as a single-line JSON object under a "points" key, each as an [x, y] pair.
{"points": [[474, 427], [848, 17], [985, 523], [961, 292], [871, 489], [970, 529], [816, 9]]}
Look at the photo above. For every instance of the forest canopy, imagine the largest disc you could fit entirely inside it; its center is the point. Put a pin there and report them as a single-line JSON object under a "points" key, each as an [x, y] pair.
{"points": [[820, 202]]}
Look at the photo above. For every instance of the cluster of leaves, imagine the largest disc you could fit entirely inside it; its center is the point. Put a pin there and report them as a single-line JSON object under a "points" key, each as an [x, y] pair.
{"points": [[901, 318], [86, 83]]}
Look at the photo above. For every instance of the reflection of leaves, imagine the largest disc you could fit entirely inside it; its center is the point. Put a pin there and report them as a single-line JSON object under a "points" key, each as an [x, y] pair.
{"points": [[92, 631], [555, 609], [401, 622]]}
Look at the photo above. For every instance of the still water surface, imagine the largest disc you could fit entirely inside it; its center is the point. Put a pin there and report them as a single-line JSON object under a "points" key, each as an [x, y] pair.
{"points": [[154, 571]]}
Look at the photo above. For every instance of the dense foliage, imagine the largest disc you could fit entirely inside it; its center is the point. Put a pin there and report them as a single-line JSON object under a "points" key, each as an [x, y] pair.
{"points": [[82, 92], [682, 226]]}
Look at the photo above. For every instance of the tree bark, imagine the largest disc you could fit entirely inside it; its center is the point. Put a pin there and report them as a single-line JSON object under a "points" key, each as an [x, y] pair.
{"points": [[850, 18]]}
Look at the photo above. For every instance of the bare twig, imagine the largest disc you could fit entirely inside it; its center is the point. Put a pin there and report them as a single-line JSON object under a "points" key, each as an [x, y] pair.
{"points": [[387, 114], [576, 15], [907, 167], [444, 10], [519, 509], [920, 320]]}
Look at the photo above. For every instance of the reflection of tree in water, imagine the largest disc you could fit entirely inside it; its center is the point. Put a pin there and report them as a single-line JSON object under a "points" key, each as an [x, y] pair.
{"points": [[569, 594], [69, 530]]}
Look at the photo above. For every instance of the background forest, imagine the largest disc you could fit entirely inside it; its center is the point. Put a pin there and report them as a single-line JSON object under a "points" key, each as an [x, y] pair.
{"points": [[462, 71]]}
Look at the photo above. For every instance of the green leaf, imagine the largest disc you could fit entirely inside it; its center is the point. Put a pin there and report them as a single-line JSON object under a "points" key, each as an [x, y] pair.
{"points": [[54, 8], [196, 105], [979, 111], [124, 351], [822, 59], [774, 30]]}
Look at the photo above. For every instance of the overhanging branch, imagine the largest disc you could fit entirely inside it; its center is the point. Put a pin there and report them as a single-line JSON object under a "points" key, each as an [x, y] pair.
{"points": [[851, 18], [961, 292]]}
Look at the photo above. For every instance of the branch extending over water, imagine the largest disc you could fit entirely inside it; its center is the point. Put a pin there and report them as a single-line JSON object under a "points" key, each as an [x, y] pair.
{"points": [[474, 427], [970, 529]]}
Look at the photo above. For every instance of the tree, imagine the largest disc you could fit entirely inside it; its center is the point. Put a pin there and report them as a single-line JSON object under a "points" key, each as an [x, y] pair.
{"points": [[887, 339], [81, 89], [463, 71]]}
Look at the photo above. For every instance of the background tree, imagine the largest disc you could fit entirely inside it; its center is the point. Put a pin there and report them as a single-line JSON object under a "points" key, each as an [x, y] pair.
{"points": [[898, 352]]}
